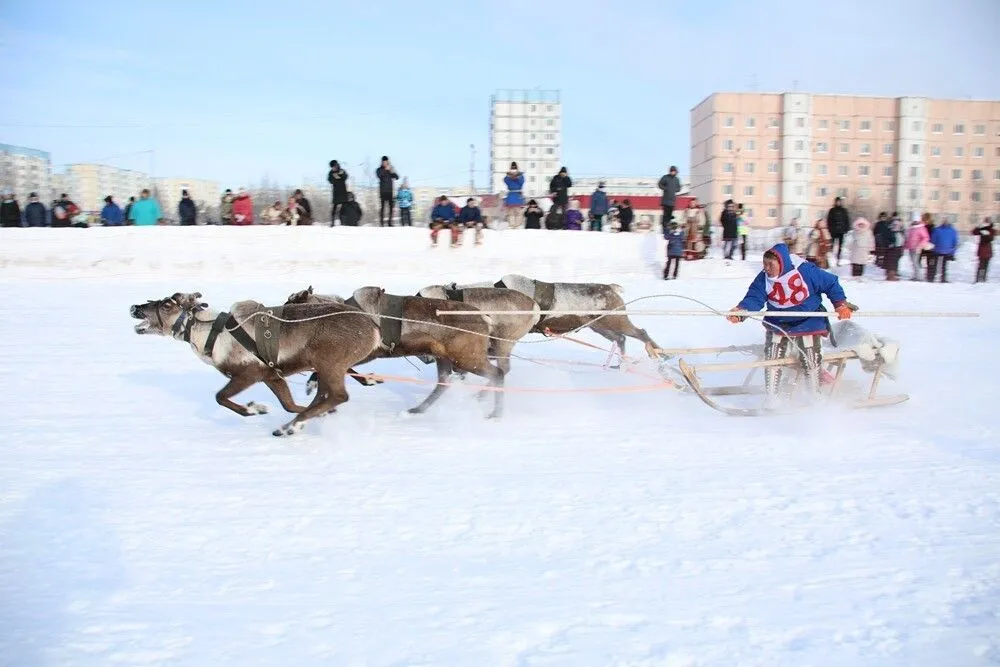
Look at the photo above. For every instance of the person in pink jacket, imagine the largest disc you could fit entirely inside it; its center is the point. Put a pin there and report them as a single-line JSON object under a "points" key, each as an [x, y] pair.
{"points": [[917, 240]]}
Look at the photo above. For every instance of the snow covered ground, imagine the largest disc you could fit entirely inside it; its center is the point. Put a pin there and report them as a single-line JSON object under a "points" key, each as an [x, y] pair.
{"points": [[141, 524]]}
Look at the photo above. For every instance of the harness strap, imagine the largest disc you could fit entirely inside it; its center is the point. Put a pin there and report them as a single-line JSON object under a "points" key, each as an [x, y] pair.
{"points": [[454, 294], [217, 326]]}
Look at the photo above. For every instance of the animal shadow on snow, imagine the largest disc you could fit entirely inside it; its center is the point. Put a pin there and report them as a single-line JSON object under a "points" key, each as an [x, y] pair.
{"points": [[58, 554]]}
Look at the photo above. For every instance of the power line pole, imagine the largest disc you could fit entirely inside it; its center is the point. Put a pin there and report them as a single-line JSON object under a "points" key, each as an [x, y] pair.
{"points": [[472, 170]]}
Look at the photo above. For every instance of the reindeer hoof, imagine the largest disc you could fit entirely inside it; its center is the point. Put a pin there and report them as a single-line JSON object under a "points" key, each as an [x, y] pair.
{"points": [[416, 411], [288, 429], [256, 408]]}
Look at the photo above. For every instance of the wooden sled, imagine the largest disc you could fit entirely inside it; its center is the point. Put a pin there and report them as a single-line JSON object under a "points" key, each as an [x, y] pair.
{"points": [[835, 362]]}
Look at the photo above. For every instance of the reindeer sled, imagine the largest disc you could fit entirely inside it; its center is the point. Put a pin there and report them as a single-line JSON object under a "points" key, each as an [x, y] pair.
{"points": [[792, 379]]}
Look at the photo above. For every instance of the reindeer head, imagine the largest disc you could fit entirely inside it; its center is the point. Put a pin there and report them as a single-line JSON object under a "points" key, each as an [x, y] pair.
{"points": [[302, 296], [368, 299], [434, 292], [166, 317]]}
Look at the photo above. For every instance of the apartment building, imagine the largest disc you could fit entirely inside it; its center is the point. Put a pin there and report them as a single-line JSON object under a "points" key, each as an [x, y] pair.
{"points": [[88, 184], [25, 170], [206, 194], [788, 155], [525, 127]]}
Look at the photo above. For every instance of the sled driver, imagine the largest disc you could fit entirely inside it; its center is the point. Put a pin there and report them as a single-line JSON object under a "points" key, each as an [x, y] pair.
{"points": [[788, 283]]}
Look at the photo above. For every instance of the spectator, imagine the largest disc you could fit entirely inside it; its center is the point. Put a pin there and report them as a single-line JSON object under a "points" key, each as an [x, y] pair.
{"points": [[894, 238], [742, 230], [404, 197], [304, 207], [385, 175], [730, 229], [555, 218], [350, 211], [128, 210], [880, 231], [63, 211], [337, 178], [917, 240], [469, 216], [226, 207], [792, 237], [862, 246], [676, 242], [294, 212], [34, 212], [146, 212], [984, 253], [945, 240], [111, 214], [696, 222], [818, 245], [670, 185], [559, 189], [10, 211], [242, 208], [598, 208], [273, 214], [186, 210], [514, 199], [574, 218], [533, 215], [625, 216], [442, 215], [837, 224]]}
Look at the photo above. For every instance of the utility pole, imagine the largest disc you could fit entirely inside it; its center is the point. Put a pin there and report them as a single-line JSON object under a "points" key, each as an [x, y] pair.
{"points": [[472, 170]]}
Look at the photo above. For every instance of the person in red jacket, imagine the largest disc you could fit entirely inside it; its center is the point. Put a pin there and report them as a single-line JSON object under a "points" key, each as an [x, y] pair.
{"points": [[242, 208]]}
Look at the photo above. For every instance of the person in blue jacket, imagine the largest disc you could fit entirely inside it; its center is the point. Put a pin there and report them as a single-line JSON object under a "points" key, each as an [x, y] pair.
{"points": [[442, 215], [789, 283], [514, 199], [944, 238], [469, 216], [598, 208], [676, 240], [111, 214]]}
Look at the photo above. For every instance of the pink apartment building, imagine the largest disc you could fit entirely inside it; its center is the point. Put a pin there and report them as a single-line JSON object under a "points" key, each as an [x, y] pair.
{"points": [[787, 155]]}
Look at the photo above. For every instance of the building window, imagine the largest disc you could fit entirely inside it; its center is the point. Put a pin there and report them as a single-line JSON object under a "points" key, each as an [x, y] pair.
{"points": [[728, 167], [549, 151], [998, 151], [996, 175], [728, 122], [800, 122], [959, 151], [914, 149], [531, 165], [772, 191], [935, 151], [979, 130], [772, 167], [978, 151], [914, 172], [959, 128], [823, 124], [866, 149], [748, 191], [821, 170], [887, 171], [996, 197], [842, 170], [953, 196], [751, 145], [841, 192], [751, 122], [935, 173], [821, 192], [863, 170], [889, 126], [748, 167], [532, 150], [798, 168], [938, 128], [822, 147], [550, 122], [935, 195], [800, 145], [976, 197], [531, 179], [913, 195], [728, 145], [845, 125], [534, 108], [772, 145], [548, 108], [772, 213], [917, 125], [772, 123], [887, 149], [865, 126], [956, 174], [977, 174], [532, 135], [845, 148], [727, 190]]}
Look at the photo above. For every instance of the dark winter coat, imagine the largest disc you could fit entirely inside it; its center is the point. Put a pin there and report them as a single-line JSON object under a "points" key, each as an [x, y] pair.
{"points": [[470, 215], [10, 214], [730, 224], [676, 240], [187, 211], [625, 216], [883, 234], [339, 182], [555, 219], [385, 178], [837, 221], [599, 202], [533, 218], [559, 187], [985, 234], [443, 213], [670, 185], [35, 214], [350, 214]]}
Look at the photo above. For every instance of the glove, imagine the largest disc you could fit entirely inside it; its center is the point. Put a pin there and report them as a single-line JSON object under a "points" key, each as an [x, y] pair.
{"points": [[844, 311], [736, 319]]}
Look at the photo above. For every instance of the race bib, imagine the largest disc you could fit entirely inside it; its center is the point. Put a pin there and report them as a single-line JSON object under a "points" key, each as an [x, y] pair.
{"points": [[787, 291]]}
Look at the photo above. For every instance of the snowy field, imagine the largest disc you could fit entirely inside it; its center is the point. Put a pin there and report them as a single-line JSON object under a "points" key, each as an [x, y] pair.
{"points": [[142, 524]]}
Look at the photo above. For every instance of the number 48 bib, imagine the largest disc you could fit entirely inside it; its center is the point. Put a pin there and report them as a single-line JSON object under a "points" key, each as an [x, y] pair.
{"points": [[788, 290]]}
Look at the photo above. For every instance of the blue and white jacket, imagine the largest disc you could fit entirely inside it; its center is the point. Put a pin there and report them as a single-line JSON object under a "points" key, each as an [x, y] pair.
{"points": [[800, 285], [404, 197]]}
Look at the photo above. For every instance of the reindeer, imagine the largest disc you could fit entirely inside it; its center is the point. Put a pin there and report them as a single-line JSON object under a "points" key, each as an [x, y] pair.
{"points": [[410, 326], [506, 329], [248, 346], [581, 296]]}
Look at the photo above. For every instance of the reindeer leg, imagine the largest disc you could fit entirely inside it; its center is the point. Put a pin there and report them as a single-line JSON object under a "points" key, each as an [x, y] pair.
{"points": [[500, 351], [333, 394], [616, 338], [444, 368], [235, 385], [280, 389]]}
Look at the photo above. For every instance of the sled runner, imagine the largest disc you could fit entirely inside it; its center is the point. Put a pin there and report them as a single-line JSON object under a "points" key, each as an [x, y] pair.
{"points": [[786, 387]]}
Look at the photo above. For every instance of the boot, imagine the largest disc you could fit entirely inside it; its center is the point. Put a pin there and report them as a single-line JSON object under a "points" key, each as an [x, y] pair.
{"points": [[891, 276]]}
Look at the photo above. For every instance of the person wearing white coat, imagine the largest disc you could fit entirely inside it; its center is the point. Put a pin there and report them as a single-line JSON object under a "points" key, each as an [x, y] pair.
{"points": [[862, 245]]}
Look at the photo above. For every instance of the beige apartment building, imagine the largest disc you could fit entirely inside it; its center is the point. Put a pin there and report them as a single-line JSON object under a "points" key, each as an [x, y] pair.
{"points": [[88, 184], [206, 194], [787, 155]]}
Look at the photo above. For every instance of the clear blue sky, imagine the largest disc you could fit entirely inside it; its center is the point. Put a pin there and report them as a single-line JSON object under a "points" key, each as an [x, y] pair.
{"points": [[235, 90]]}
